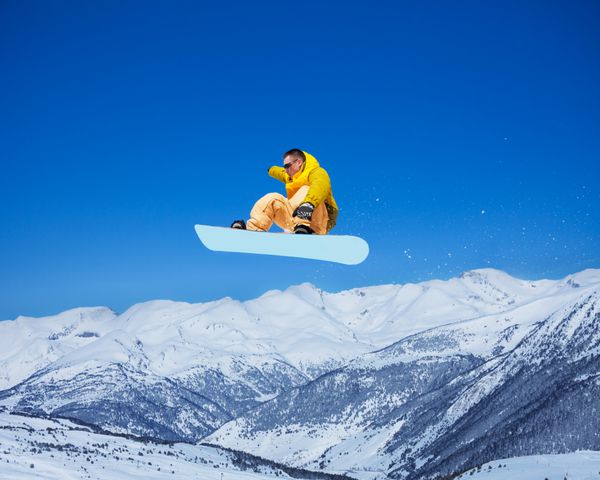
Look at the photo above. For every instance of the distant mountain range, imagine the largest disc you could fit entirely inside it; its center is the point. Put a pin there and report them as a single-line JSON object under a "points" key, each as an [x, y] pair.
{"points": [[402, 381]]}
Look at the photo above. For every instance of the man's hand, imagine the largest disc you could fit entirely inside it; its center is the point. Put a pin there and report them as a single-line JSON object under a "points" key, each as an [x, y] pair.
{"points": [[304, 211]]}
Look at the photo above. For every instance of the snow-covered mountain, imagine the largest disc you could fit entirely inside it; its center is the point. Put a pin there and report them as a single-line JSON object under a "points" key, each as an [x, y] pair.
{"points": [[518, 382], [398, 380]]}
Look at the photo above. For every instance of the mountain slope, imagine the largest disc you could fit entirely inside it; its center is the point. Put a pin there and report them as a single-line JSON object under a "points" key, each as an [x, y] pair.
{"points": [[540, 398], [583, 465], [58, 449], [29, 344], [434, 396]]}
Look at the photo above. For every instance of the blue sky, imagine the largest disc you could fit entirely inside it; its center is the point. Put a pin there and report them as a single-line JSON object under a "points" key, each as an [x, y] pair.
{"points": [[458, 135]]}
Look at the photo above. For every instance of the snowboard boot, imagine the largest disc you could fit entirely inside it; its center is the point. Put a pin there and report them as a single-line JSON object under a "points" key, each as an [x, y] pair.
{"points": [[239, 224], [303, 229]]}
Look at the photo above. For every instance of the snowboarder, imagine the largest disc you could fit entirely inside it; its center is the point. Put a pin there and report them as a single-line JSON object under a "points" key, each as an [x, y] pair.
{"points": [[309, 206]]}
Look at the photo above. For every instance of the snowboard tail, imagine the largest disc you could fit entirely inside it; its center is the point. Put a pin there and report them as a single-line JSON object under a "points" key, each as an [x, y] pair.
{"points": [[345, 249]]}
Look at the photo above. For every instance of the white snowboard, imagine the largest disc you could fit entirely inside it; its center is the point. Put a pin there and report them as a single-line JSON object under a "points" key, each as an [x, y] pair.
{"points": [[344, 249]]}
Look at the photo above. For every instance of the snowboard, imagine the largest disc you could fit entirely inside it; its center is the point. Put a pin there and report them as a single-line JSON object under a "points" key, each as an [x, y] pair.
{"points": [[345, 249]]}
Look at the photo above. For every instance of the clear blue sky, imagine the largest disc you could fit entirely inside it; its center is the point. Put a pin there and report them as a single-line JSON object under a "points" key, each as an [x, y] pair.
{"points": [[458, 135]]}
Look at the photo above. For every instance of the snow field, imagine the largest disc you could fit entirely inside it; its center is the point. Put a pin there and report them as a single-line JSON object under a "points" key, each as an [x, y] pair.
{"points": [[60, 450], [583, 465]]}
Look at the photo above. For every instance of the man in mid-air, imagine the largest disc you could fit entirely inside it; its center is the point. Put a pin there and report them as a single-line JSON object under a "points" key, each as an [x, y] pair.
{"points": [[309, 206]]}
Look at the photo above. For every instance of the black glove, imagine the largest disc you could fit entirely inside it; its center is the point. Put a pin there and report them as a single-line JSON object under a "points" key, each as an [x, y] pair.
{"points": [[304, 211]]}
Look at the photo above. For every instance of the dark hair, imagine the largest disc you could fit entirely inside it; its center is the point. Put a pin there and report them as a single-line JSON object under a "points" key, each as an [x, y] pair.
{"points": [[295, 153]]}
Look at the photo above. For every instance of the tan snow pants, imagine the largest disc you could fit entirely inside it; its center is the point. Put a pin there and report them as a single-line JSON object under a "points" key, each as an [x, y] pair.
{"points": [[274, 207]]}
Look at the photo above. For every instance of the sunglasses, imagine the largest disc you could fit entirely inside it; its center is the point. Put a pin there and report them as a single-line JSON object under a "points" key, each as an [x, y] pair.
{"points": [[288, 165]]}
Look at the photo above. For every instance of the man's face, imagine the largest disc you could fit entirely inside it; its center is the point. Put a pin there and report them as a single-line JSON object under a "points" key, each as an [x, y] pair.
{"points": [[292, 165]]}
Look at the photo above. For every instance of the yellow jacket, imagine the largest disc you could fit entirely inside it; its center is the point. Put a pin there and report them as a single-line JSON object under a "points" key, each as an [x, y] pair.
{"points": [[315, 176]]}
